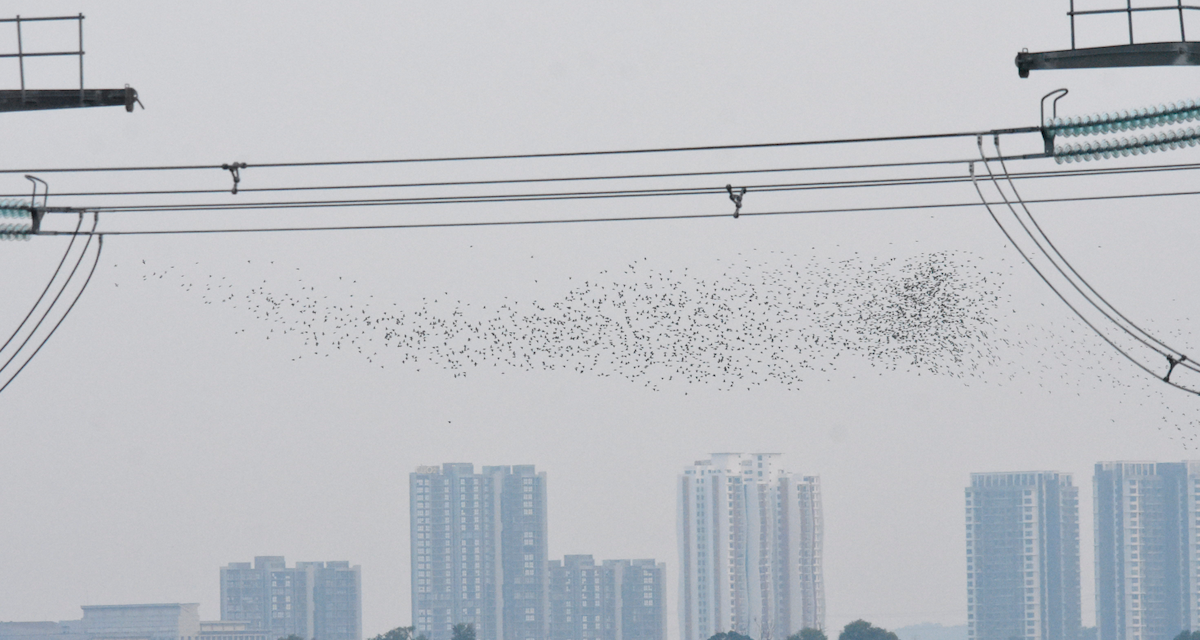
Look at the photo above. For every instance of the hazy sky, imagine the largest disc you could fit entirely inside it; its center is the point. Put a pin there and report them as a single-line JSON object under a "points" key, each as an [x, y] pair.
{"points": [[162, 434]]}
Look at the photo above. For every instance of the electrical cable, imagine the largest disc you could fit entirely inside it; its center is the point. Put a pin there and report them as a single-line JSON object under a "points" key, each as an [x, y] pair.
{"points": [[637, 176], [1038, 243], [462, 199], [526, 222], [1046, 280], [66, 283], [556, 154], [99, 249], [1183, 362], [1108, 310], [57, 269], [532, 197]]}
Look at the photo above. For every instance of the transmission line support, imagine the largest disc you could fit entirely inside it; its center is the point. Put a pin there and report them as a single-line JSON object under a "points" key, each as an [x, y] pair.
{"points": [[38, 99], [1131, 54], [26, 99], [1151, 54]]}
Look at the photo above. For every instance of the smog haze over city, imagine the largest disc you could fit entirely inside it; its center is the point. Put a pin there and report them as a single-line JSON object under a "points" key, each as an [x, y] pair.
{"points": [[218, 397]]}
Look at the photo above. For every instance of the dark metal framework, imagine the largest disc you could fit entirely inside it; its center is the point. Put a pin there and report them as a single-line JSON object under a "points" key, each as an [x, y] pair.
{"points": [[1133, 54], [33, 99]]}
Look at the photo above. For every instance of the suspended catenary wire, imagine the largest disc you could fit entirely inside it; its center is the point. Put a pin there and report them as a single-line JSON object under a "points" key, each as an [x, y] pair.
{"points": [[533, 156], [1043, 246], [49, 308]]}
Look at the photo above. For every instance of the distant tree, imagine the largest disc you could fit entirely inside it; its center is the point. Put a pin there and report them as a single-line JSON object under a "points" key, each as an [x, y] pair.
{"points": [[808, 633], [1087, 633], [293, 637], [399, 633], [862, 630], [463, 631], [1186, 635], [729, 635]]}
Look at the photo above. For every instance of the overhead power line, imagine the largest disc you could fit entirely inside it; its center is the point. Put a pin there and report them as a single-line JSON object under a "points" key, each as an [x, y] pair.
{"points": [[1058, 173], [668, 217], [556, 154]]}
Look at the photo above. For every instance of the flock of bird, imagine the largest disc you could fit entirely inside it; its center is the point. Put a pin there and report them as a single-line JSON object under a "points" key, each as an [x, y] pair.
{"points": [[768, 318], [774, 319]]}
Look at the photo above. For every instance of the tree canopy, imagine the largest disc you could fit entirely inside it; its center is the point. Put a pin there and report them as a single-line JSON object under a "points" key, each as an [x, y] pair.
{"points": [[808, 633], [463, 631], [1188, 635], [862, 630], [729, 635], [400, 633]]}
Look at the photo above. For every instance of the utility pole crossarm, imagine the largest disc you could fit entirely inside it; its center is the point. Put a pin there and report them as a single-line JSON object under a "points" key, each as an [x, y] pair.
{"points": [[1150, 54], [37, 99], [26, 99]]}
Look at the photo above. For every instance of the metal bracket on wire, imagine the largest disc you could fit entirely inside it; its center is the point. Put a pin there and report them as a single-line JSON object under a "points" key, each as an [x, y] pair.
{"points": [[736, 198], [1182, 359], [1047, 132], [35, 212], [233, 169]]}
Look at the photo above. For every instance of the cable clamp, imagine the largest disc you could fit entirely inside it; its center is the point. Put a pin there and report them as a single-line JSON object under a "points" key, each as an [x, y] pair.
{"points": [[233, 169], [1174, 362], [736, 198], [35, 212]]}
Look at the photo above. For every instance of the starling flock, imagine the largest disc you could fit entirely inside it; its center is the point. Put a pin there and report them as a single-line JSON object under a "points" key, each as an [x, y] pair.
{"points": [[779, 319], [769, 318]]}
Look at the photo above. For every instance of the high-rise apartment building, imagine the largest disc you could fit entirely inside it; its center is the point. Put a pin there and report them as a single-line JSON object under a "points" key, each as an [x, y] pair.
{"points": [[1147, 543], [616, 600], [750, 539], [321, 600], [583, 599], [643, 604], [479, 554], [1022, 556], [337, 600]]}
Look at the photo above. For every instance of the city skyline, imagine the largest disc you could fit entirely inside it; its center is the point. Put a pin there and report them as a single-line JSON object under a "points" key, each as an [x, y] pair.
{"points": [[1026, 520]]}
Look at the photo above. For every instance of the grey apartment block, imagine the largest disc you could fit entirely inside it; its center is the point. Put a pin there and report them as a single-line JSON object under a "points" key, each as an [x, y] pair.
{"points": [[1022, 556], [478, 545], [337, 600], [1146, 549], [616, 600], [750, 539], [321, 600], [523, 534], [642, 613], [584, 599]]}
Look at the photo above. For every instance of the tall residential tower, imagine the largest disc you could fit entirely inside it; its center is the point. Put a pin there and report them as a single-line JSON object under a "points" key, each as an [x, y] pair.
{"points": [[478, 545], [1022, 556], [1147, 543], [750, 538]]}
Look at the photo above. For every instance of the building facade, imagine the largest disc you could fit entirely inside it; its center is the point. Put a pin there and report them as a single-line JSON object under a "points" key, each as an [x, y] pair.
{"points": [[643, 605], [168, 621], [320, 600], [616, 600], [478, 551], [1022, 556], [750, 538], [337, 600], [1147, 542]]}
